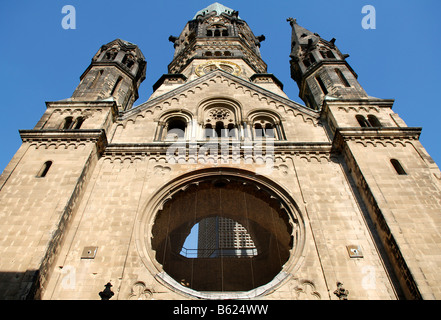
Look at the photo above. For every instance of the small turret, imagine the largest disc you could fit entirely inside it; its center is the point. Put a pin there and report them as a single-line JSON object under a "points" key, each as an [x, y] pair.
{"points": [[116, 72], [320, 69]]}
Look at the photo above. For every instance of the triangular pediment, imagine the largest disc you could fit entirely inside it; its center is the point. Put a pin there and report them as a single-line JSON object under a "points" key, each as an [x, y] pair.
{"points": [[201, 86]]}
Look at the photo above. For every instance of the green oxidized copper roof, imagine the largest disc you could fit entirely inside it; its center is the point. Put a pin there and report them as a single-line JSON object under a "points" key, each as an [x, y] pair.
{"points": [[219, 8]]}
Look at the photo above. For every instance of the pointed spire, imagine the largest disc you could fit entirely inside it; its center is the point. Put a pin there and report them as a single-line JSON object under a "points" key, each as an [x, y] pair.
{"points": [[301, 36], [320, 69]]}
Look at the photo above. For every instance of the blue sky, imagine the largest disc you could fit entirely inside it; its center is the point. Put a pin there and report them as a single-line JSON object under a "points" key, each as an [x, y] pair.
{"points": [[41, 61]]}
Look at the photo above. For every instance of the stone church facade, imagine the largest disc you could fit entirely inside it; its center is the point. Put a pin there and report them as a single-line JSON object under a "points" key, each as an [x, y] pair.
{"points": [[340, 198]]}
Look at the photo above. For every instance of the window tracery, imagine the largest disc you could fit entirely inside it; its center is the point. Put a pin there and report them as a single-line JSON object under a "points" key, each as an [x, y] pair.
{"points": [[220, 122]]}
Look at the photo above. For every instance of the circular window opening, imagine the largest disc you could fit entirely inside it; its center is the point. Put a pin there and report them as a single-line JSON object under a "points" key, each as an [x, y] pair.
{"points": [[241, 235]]}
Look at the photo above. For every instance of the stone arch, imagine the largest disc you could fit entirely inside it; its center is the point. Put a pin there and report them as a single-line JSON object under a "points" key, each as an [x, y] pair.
{"points": [[220, 116], [175, 122], [224, 102], [265, 120], [156, 233]]}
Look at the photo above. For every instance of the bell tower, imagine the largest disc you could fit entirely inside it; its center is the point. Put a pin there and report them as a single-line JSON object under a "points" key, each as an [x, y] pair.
{"points": [[217, 33], [216, 38], [116, 72], [320, 69], [383, 156]]}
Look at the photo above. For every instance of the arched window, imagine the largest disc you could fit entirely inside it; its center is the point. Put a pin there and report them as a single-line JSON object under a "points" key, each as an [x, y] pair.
{"points": [[258, 130], [309, 60], [373, 121], [209, 132], [362, 121], [266, 124], [78, 123], [221, 118], [220, 129], [269, 130], [232, 131], [174, 125], [44, 169], [111, 54], [398, 167], [128, 61], [176, 128], [265, 128], [68, 123], [327, 54]]}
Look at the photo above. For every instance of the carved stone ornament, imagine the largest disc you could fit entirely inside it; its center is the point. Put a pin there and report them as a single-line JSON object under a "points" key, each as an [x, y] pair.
{"points": [[107, 293], [219, 114], [139, 291], [341, 292], [302, 289]]}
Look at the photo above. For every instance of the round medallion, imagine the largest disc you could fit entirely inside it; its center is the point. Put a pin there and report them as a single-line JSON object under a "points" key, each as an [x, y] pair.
{"points": [[212, 65]]}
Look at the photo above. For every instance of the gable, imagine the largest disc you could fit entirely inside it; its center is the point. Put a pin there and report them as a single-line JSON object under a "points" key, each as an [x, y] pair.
{"points": [[219, 98], [222, 84]]}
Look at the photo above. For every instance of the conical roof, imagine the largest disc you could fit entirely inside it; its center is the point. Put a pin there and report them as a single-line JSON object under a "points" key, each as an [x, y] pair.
{"points": [[300, 35]]}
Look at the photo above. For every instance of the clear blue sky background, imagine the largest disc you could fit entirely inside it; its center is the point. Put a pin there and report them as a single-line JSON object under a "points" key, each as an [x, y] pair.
{"points": [[40, 61]]}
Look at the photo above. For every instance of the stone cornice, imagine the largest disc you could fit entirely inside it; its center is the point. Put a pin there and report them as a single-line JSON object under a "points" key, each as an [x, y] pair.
{"points": [[78, 104], [374, 134], [65, 136], [278, 147]]}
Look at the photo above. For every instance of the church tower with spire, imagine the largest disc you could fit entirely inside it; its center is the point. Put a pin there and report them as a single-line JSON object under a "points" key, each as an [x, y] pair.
{"points": [[320, 69], [332, 199]]}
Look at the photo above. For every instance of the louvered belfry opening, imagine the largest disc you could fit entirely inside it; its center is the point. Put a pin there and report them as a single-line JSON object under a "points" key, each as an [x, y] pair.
{"points": [[260, 217]]}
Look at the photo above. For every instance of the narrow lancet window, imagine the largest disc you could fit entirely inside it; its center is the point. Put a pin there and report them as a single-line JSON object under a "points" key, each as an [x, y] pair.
{"points": [[79, 123], [322, 85], [342, 78], [373, 121], [362, 121], [68, 122], [44, 169], [398, 167], [95, 81], [116, 86]]}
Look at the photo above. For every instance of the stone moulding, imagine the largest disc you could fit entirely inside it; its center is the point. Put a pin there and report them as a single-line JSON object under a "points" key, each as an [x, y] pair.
{"points": [[65, 136], [343, 135], [191, 152]]}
